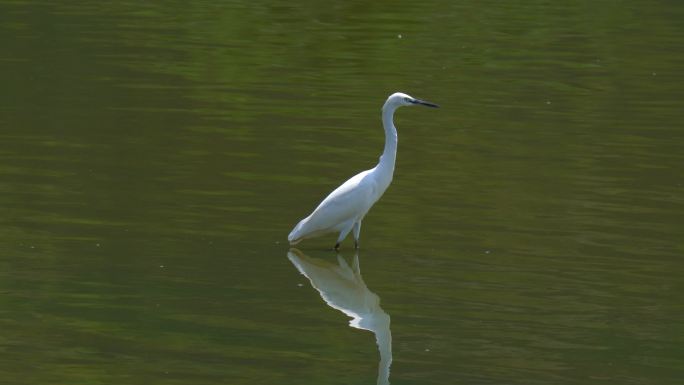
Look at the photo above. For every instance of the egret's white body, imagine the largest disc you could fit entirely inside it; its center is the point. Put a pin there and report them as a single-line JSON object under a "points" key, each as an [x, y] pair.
{"points": [[345, 207]]}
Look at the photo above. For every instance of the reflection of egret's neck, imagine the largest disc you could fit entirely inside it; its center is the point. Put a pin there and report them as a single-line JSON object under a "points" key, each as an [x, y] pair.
{"points": [[383, 337], [342, 287]]}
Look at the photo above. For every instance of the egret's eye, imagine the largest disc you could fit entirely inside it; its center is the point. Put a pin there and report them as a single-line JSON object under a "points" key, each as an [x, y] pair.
{"points": [[407, 100]]}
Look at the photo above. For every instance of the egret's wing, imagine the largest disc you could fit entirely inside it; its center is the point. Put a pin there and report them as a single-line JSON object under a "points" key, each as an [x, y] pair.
{"points": [[349, 201]]}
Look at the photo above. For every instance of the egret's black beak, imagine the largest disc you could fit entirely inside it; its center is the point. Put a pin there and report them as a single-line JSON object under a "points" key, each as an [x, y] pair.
{"points": [[423, 102]]}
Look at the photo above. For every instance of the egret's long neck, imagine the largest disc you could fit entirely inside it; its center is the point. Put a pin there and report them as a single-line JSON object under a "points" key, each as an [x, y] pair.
{"points": [[389, 156]]}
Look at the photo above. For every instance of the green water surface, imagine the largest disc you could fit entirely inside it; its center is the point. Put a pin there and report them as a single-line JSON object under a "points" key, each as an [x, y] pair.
{"points": [[155, 155]]}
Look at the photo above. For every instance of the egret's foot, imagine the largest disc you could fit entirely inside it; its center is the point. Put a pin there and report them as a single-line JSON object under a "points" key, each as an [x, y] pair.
{"points": [[337, 246]]}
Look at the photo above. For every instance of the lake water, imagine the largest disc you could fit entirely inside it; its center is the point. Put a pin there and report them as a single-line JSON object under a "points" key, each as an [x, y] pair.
{"points": [[154, 157]]}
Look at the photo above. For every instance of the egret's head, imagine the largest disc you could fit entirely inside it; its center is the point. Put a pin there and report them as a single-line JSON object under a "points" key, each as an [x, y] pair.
{"points": [[399, 99]]}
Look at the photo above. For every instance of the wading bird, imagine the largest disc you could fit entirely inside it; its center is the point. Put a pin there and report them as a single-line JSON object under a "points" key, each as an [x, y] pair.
{"points": [[345, 207]]}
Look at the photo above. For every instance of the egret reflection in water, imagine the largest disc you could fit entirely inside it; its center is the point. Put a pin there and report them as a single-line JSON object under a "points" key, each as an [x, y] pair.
{"points": [[343, 288]]}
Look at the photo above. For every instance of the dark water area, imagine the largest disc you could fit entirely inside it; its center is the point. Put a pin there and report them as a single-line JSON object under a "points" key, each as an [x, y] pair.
{"points": [[154, 157]]}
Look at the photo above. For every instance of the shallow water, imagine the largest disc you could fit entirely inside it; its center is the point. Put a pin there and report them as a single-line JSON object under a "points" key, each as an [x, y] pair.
{"points": [[154, 157]]}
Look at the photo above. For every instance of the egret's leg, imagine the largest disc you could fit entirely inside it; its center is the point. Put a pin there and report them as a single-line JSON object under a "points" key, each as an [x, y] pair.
{"points": [[343, 234], [357, 232]]}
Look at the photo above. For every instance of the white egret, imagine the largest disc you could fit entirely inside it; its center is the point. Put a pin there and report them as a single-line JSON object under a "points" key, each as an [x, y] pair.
{"points": [[345, 207]]}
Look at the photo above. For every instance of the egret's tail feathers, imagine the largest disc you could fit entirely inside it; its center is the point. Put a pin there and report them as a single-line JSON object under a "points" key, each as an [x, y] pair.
{"points": [[295, 235], [306, 229]]}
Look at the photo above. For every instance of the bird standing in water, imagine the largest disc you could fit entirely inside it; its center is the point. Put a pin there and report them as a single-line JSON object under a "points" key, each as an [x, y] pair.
{"points": [[344, 208]]}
